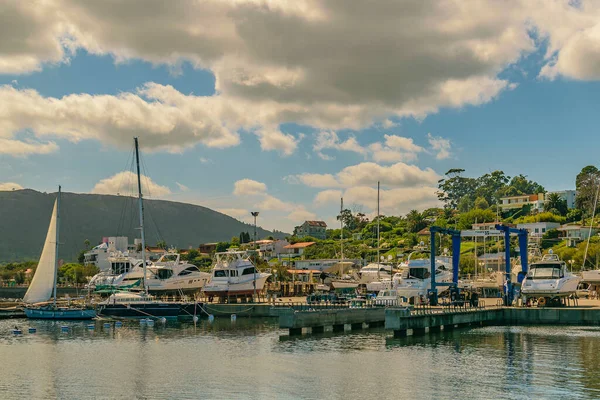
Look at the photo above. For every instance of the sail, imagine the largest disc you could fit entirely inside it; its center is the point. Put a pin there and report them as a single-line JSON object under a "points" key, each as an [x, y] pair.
{"points": [[42, 284]]}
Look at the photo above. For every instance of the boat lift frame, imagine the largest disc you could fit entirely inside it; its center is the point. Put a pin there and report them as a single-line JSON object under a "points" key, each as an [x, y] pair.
{"points": [[523, 240], [456, 240]]}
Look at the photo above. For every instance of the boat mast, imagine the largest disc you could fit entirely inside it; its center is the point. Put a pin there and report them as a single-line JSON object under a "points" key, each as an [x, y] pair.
{"points": [[56, 244], [378, 238], [141, 203], [341, 237]]}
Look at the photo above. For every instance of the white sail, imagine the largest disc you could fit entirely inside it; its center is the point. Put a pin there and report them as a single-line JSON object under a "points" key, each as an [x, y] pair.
{"points": [[42, 284]]}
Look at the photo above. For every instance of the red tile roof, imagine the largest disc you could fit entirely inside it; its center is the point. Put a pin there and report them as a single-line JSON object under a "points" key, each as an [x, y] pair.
{"points": [[317, 223], [300, 245]]}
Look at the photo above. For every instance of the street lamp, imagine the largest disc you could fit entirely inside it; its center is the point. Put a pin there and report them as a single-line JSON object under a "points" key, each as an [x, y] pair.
{"points": [[254, 214]]}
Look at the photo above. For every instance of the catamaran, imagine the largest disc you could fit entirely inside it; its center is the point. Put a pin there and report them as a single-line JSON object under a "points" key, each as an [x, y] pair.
{"points": [[43, 284]]}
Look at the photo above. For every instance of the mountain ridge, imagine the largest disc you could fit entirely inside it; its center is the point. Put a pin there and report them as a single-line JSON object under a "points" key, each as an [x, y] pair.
{"points": [[25, 215]]}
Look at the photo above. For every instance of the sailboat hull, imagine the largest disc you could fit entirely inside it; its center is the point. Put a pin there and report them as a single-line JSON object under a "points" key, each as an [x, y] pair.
{"points": [[60, 313], [143, 310]]}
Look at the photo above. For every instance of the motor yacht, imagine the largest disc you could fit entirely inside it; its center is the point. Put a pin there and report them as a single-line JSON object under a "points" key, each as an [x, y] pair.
{"points": [[549, 278], [234, 275], [172, 275], [124, 272], [414, 279], [388, 297]]}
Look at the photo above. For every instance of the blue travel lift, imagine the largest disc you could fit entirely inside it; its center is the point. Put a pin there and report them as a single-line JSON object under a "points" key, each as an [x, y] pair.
{"points": [[456, 239], [522, 234]]}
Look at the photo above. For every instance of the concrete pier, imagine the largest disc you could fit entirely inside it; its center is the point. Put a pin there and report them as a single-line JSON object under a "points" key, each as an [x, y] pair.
{"points": [[401, 321], [317, 320]]}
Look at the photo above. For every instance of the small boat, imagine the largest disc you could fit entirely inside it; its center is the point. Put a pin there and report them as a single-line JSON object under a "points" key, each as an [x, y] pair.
{"points": [[43, 284], [234, 275], [124, 304], [388, 297], [549, 279], [125, 272], [374, 272]]}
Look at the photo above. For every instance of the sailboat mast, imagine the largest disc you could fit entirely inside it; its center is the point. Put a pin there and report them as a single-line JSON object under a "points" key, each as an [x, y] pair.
{"points": [[341, 237], [378, 238], [141, 203], [56, 244]]}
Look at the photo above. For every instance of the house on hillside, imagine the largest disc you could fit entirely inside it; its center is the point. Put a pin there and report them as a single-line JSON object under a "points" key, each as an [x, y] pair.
{"points": [[207, 248], [316, 229], [575, 233], [268, 249], [298, 248], [536, 201], [537, 229]]}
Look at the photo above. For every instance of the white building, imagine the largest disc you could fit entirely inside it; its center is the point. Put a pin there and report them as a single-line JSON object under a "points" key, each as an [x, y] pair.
{"points": [[537, 229], [536, 201], [575, 233], [320, 265]]}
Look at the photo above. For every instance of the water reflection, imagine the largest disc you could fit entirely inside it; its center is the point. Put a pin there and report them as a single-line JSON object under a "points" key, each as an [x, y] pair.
{"points": [[250, 358]]}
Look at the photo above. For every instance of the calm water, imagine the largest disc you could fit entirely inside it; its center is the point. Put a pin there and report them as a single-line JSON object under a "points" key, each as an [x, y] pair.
{"points": [[250, 359]]}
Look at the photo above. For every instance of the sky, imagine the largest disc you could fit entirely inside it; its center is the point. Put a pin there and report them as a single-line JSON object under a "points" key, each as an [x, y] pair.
{"points": [[285, 107]]}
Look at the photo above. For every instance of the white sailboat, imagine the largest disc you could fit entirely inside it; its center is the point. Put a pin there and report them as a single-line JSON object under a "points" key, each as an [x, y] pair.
{"points": [[43, 284]]}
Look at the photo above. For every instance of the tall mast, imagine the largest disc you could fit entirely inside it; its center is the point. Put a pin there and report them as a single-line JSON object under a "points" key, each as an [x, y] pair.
{"points": [[141, 202], [378, 238], [342, 237], [56, 244]]}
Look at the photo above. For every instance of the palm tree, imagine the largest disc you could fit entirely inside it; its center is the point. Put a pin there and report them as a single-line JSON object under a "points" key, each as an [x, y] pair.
{"points": [[555, 203], [415, 221]]}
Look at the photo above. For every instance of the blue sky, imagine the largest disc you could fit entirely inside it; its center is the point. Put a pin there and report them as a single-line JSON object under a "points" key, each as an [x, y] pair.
{"points": [[285, 109]]}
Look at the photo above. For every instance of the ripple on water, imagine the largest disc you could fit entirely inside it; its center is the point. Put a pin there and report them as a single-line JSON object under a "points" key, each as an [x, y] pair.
{"points": [[251, 359]]}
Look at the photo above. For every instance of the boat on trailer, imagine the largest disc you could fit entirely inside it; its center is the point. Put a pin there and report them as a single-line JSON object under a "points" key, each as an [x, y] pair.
{"points": [[549, 280]]}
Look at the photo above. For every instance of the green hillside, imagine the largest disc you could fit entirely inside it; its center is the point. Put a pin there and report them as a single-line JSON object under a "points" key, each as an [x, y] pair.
{"points": [[25, 215]]}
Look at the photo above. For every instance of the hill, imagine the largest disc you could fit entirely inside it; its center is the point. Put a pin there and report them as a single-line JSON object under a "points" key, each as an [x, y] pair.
{"points": [[25, 215]]}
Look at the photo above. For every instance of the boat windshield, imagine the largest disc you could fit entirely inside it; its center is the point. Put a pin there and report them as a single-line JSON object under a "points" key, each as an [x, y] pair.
{"points": [[163, 273], [418, 273], [545, 271], [168, 258]]}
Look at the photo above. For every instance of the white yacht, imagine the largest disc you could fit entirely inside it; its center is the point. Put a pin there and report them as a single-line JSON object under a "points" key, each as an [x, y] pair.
{"points": [[549, 278], [124, 272], [414, 280], [374, 272], [234, 275], [172, 275]]}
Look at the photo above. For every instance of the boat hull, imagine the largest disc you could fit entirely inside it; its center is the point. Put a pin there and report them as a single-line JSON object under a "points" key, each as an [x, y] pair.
{"points": [[67, 314], [143, 310], [224, 289], [550, 288]]}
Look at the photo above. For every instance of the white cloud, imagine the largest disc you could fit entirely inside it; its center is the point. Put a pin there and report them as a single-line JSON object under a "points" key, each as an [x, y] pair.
{"points": [[440, 145], [300, 215], [274, 139], [328, 140], [368, 173], [402, 143], [309, 62], [182, 187], [398, 201], [327, 197], [159, 115], [238, 213], [8, 186], [23, 148], [125, 183], [388, 124], [273, 203], [249, 187]]}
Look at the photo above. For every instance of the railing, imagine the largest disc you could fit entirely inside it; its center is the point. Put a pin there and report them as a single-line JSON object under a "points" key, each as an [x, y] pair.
{"points": [[325, 305]]}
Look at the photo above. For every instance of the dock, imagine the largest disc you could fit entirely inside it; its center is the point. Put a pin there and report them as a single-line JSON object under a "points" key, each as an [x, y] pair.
{"points": [[317, 320]]}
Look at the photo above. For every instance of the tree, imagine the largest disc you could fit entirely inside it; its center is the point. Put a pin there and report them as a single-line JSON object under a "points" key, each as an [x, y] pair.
{"points": [[415, 221], [556, 203], [455, 187], [191, 255], [221, 247], [491, 186], [586, 184], [522, 185], [86, 243], [235, 241], [481, 203], [347, 219], [466, 220], [81, 257], [162, 245]]}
